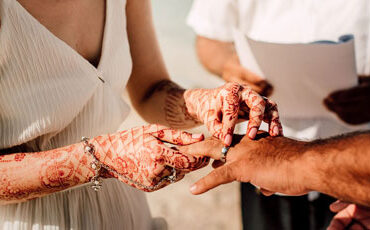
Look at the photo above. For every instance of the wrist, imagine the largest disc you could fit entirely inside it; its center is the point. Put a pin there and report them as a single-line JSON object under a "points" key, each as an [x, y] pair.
{"points": [[293, 160], [100, 154], [310, 163], [190, 108]]}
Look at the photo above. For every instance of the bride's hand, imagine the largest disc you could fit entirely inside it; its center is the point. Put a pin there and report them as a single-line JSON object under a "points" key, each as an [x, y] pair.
{"points": [[141, 158], [220, 109]]}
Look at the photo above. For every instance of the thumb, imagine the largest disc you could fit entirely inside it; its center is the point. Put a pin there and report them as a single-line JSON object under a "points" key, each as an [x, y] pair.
{"points": [[221, 175]]}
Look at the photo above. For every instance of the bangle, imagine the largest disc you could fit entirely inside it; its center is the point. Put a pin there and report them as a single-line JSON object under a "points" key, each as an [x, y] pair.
{"points": [[96, 165]]}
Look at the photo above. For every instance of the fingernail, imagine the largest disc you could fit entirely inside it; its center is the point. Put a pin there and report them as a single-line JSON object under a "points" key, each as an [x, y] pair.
{"points": [[276, 131], [197, 135], [252, 133], [228, 139], [193, 188]]}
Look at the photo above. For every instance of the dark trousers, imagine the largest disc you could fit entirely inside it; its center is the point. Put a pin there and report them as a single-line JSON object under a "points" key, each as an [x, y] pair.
{"points": [[282, 212]]}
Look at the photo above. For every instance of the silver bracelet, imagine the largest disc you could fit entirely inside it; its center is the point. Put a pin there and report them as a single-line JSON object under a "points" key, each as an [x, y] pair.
{"points": [[97, 166], [96, 181]]}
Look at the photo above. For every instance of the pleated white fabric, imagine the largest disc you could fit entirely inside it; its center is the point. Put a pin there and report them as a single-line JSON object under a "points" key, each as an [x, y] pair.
{"points": [[50, 96], [114, 207]]}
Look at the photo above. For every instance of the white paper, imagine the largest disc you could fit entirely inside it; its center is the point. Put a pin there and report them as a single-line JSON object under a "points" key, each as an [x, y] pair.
{"points": [[302, 74]]}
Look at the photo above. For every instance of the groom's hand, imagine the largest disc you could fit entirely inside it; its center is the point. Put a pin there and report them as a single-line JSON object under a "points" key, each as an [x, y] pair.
{"points": [[273, 163]]}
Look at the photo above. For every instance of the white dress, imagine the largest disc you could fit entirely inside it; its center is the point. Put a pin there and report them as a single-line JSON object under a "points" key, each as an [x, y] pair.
{"points": [[50, 96]]}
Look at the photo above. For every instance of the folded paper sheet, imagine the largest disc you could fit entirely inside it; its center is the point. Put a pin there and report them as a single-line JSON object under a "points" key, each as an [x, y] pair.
{"points": [[302, 74]]}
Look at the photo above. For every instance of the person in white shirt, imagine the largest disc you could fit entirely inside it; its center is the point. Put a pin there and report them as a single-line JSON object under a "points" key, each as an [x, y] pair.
{"points": [[288, 21]]}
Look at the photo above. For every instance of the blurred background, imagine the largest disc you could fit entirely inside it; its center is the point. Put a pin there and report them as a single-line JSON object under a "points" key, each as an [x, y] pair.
{"points": [[219, 208]]}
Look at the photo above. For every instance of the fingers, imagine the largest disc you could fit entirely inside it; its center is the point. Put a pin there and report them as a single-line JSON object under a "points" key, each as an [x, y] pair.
{"points": [[342, 219], [221, 175], [272, 118], [215, 128], [167, 171], [356, 112], [211, 147], [256, 105], [176, 137], [348, 95], [338, 206], [229, 106], [185, 162], [230, 111]]}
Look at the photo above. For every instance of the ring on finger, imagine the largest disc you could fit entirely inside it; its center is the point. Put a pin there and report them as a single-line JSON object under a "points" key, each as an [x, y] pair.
{"points": [[224, 151]]}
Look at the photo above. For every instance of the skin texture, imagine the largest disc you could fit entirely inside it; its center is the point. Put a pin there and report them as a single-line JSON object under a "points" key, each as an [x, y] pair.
{"points": [[349, 216], [337, 166], [138, 154], [221, 59], [80, 24], [351, 105]]}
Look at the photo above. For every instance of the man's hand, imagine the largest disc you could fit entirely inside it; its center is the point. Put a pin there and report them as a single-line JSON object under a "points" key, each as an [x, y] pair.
{"points": [[351, 105], [349, 216], [272, 163], [234, 72]]}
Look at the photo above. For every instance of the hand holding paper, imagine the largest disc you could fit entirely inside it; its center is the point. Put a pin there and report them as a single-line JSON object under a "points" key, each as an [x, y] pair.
{"points": [[302, 74]]}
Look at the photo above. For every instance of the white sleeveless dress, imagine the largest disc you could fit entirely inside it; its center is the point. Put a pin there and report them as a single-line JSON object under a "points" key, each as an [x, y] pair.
{"points": [[50, 96]]}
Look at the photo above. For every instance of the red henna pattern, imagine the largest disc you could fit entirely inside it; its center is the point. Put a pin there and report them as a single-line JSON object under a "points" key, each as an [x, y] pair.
{"points": [[23, 177], [19, 156], [143, 157], [220, 108]]}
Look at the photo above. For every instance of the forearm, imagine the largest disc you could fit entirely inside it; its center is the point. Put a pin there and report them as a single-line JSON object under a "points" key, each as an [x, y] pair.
{"points": [[165, 103], [26, 176], [214, 54], [152, 94], [341, 168]]}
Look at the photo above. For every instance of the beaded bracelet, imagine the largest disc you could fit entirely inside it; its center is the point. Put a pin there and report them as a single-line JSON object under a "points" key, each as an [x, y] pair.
{"points": [[96, 165]]}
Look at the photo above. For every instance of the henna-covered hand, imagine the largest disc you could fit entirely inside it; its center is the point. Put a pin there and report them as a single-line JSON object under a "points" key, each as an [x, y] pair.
{"points": [[140, 155], [220, 109]]}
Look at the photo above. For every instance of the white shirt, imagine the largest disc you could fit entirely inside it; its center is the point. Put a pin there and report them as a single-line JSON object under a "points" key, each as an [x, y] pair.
{"points": [[287, 21], [290, 21]]}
